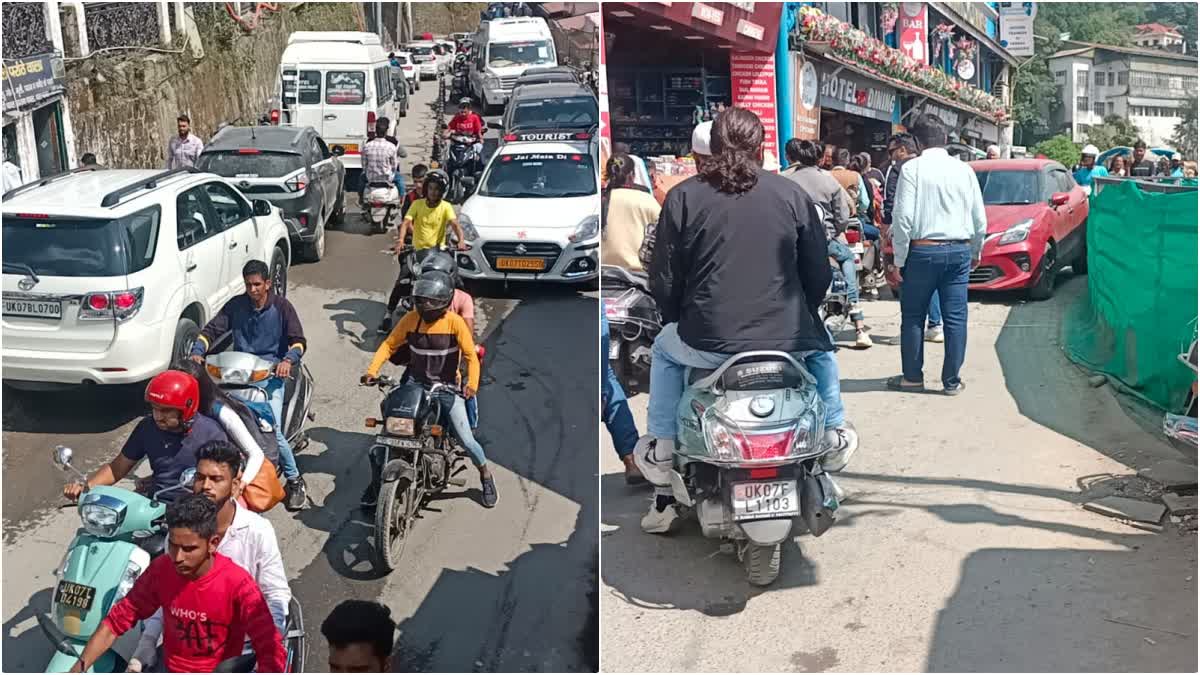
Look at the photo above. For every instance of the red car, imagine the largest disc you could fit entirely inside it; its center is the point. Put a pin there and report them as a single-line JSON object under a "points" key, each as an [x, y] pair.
{"points": [[1037, 224]]}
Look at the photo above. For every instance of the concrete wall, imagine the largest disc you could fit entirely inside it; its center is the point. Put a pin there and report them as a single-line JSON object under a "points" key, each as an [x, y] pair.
{"points": [[123, 107]]}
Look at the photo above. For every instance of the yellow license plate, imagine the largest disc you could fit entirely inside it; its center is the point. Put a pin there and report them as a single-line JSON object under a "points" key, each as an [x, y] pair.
{"points": [[523, 264]]}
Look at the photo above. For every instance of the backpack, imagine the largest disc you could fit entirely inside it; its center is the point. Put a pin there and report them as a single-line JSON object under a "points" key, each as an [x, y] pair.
{"points": [[262, 428]]}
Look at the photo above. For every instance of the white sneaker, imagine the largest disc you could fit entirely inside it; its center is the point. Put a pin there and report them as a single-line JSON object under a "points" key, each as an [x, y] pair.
{"points": [[660, 522], [842, 443], [935, 335], [656, 471], [863, 339]]}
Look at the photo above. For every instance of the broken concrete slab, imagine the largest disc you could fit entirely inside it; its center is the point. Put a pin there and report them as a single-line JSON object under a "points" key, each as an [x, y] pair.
{"points": [[1171, 474], [1179, 505], [1130, 509]]}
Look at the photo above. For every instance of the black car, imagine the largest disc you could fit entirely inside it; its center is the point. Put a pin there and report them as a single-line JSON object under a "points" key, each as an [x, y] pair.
{"points": [[557, 106], [292, 168], [547, 75]]}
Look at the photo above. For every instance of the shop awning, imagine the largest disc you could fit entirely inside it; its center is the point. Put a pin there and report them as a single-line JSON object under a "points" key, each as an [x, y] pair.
{"points": [[742, 25]]}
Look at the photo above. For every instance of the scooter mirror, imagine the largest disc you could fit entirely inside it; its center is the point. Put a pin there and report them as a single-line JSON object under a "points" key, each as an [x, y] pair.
{"points": [[187, 478], [62, 456]]}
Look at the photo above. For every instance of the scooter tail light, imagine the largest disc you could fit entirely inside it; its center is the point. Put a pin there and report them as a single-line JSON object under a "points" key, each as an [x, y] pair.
{"points": [[775, 445], [852, 236]]}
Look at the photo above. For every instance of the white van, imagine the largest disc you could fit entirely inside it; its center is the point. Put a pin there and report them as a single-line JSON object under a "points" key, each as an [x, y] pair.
{"points": [[339, 83], [504, 48]]}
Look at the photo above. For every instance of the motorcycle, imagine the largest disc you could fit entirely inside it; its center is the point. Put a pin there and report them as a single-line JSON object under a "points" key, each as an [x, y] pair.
{"points": [[240, 374], [418, 456], [462, 164], [634, 321], [748, 457], [383, 201], [460, 83], [867, 261], [834, 311], [121, 532]]}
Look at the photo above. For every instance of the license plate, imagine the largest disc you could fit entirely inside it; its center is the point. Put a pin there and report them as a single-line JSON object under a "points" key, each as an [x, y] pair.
{"points": [[40, 309], [394, 442], [524, 264], [74, 595], [857, 248], [614, 349], [767, 499]]}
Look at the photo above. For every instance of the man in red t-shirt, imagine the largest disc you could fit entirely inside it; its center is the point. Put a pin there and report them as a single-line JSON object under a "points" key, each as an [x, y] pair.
{"points": [[209, 603], [466, 121]]}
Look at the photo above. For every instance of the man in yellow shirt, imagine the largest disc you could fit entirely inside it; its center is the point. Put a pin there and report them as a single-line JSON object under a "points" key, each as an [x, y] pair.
{"points": [[439, 340], [429, 217]]}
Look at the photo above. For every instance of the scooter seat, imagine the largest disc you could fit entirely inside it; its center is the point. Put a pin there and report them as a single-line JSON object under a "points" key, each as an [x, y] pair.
{"points": [[379, 184], [761, 374], [697, 374]]}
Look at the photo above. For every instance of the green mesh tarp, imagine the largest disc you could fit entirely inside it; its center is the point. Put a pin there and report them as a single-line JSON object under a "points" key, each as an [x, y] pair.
{"points": [[1140, 311]]}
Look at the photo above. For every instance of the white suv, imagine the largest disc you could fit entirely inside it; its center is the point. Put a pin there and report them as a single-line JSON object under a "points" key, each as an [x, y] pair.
{"points": [[108, 274]]}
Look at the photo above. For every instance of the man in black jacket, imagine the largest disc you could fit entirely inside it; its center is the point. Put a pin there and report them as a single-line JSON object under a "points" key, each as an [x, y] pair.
{"points": [[739, 264]]}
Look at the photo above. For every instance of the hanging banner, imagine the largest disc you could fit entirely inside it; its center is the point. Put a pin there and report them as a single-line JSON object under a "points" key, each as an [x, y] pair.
{"points": [[752, 75], [806, 113], [914, 30]]}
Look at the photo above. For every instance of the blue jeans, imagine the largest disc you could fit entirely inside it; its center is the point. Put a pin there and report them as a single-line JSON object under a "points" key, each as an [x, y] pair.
{"points": [[870, 232], [274, 390], [618, 419], [935, 308], [461, 426], [943, 270], [473, 411], [845, 257], [670, 357]]}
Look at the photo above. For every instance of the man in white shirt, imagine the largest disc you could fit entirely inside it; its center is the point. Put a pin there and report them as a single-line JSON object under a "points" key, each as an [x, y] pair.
{"points": [[938, 227], [184, 148], [12, 172], [246, 538]]}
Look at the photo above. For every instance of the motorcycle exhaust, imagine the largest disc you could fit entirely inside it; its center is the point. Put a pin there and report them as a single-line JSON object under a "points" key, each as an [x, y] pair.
{"points": [[817, 503]]}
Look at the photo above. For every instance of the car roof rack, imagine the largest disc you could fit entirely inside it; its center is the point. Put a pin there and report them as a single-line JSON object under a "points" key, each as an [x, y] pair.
{"points": [[42, 182], [113, 198]]}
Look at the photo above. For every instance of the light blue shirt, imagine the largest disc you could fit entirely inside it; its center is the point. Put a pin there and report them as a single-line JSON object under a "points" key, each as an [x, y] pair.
{"points": [[937, 197]]}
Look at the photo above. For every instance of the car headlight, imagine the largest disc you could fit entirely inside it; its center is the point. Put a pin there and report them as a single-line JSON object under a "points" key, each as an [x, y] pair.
{"points": [[132, 571], [586, 229], [399, 426], [468, 227], [1017, 233], [492, 81], [100, 520]]}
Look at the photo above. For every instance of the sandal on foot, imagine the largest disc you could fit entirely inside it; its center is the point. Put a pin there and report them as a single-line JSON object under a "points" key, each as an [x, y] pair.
{"points": [[898, 383]]}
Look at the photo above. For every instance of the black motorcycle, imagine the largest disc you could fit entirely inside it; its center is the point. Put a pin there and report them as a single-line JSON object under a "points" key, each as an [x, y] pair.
{"points": [[634, 322], [463, 166], [418, 455]]}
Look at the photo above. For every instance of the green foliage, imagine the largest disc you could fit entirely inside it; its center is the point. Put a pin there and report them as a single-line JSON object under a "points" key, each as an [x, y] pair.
{"points": [[1113, 132], [1058, 148], [1184, 139]]}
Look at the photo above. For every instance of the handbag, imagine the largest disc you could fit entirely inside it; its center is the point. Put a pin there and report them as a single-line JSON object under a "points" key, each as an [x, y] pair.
{"points": [[265, 491]]}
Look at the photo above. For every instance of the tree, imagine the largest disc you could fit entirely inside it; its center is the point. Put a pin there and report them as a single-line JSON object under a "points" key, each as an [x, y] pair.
{"points": [[1184, 139], [1113, 132], [1059, 148]]}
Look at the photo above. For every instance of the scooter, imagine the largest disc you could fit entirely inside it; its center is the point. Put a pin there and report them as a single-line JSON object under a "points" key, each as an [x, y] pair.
{"points": [[122, 531], [382, 201], [867, 260], [635, 322], [748, 457], [462, 165], [834, 311], [244, 375]]}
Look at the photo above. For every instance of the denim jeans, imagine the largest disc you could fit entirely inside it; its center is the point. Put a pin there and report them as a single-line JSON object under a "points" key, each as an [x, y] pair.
{"points": [[457, 416], [274, 389], [845, 257], [943, 270], [670, 357], [473, 411], [618, 419], [935, 308], [870, 232]]}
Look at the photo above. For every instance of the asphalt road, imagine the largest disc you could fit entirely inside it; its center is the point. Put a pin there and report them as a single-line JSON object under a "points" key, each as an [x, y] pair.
{"points": [[962, 547], [479, 590]]}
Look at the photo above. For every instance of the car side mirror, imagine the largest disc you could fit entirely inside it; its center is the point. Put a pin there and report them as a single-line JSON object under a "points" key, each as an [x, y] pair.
{"points": [[187, 478], [262, 207], [62, 456], [1059, 199]]}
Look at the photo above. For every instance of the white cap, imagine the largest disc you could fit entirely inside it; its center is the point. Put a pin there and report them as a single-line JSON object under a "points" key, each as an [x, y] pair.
{"points": [[700, 139], [1090, 150], [994, 148], [1177, 156]]}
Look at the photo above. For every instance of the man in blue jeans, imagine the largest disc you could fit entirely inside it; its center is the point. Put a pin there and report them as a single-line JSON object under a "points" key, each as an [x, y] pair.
{"points": [[264, 324], [617, 417], [938, 228], [901, 148]]}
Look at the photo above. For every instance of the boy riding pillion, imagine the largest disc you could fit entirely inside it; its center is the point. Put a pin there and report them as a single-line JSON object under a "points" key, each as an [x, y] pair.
{"points": [[439, 341], [429, 218]]}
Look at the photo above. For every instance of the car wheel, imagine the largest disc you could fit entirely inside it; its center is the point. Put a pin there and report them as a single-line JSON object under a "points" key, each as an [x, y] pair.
{"points": [[1044, 288], [186, 332], [1080, 266], [279, 272], [315, 250]]}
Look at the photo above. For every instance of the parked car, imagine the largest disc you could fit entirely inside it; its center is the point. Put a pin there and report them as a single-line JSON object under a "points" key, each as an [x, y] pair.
{"points": [[429, 66], [562, 106], [410, 71], [1037, 223], [547, 76], [292, 168], [112, 284]]}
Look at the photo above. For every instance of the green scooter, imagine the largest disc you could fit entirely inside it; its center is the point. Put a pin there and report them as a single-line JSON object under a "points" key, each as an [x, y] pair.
{"points": [[122, 530]]}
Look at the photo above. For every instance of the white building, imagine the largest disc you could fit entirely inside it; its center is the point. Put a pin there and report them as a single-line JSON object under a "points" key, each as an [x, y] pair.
{"points": [[1158, 36], [1147, 86]]}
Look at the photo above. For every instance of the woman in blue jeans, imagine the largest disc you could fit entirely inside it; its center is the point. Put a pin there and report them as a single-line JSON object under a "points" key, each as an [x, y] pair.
{"points": [[618, 419]]}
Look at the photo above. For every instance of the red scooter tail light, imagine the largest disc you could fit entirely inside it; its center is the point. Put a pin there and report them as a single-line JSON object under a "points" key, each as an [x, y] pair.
{"points": [[853, 236], [767, 446]]}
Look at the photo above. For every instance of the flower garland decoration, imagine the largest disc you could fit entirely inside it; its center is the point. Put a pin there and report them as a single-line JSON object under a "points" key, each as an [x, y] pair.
{"points": [[942, 34], [889, 14], [877, 58], [965, 49]]}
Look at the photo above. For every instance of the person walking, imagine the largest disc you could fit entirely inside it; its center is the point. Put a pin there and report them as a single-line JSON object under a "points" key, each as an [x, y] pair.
{"points": [[901, 148], [938, 227], [185, 147]]}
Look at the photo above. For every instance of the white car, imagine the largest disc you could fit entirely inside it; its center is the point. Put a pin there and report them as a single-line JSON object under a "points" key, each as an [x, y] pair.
{"points": [[429, 65], [536, 214], [410, 70], [112, 284]]}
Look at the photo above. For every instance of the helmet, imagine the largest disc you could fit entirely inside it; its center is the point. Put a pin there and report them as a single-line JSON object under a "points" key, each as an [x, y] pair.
{"points": [[440, 262], [437, 176], [175, 389], [432, 294], [1090, 150], [466, 100]]}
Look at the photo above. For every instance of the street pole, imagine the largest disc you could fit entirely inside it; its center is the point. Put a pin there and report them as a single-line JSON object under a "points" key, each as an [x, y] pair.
{"points": [[399, 25], [1012, 96]]}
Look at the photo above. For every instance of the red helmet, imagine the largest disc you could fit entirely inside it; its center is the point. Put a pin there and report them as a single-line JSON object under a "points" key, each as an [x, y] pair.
{"points": [[175, 389]]}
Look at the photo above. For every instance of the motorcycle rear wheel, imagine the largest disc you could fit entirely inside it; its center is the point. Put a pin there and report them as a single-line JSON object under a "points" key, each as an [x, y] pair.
{"points": [[762, 563], [393, 517]]}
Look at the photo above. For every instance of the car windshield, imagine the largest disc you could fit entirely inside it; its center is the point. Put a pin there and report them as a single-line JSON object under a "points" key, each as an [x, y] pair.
{"points": [[79, 247], [421, 51], [553, 113], [520, 53], [535, 175], [1008, 187], [235, 164]]}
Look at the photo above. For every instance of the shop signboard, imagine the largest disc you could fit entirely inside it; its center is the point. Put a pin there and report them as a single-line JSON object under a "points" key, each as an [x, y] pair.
{"points": [[1016, 33], [742, 25], [707, 13], [752, 75], [806, 114], [605, 118], [914, 30], [27, 81], [854, 94], [982, 129], [948, 116]]}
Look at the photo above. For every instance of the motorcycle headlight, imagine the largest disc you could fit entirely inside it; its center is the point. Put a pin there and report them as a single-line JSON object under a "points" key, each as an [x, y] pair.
{"points": [[100, 520], [468, 227], [1017, 233], [399, 426], [586, 229], [132, 571]]}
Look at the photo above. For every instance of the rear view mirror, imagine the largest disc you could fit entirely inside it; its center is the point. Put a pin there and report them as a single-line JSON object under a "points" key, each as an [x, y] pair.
{"points": [[62, 456], [1059, 199], [262, 207], [187, 478]]}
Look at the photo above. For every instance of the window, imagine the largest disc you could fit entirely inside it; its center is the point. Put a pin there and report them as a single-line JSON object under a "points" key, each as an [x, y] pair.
{"points": [[345, 87], [1060, 76], [257, 165], [1098, 109], [1061, 180], [1081, 103], [534, 175], [1111, 108], [307, 81], [1008, 187], [195, 222], [1112, 78], [228, 205], [317, 150], [1099, 78], [1123, 78], [504, 54], [67, 247], [1081, 79], [566, 112]]}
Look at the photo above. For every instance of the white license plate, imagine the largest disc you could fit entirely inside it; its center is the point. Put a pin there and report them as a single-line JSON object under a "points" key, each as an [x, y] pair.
{"points": [[394, 442], [857, 248], [765, 499], [614, 349], [41, 309]]}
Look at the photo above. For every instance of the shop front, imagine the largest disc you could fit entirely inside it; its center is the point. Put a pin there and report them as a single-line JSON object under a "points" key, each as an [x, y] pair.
{"points": [[964, 126], [37, 135], [857, 112]]}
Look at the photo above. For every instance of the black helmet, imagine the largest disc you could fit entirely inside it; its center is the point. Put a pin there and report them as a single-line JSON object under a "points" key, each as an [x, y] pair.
{"points": [[436, 176], [432, 294], [439, 262]]}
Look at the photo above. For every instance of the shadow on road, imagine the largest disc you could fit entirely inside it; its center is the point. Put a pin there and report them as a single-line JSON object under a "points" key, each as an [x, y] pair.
{"points": [[356, 320], [79, 410], [20, 648]]}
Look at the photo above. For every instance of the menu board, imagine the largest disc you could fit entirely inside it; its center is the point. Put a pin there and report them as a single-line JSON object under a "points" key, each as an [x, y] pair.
{"points": [[753, 79]]}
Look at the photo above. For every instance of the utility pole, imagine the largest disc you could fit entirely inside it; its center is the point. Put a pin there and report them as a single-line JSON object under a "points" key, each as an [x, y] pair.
{"points": [[399, 24]]}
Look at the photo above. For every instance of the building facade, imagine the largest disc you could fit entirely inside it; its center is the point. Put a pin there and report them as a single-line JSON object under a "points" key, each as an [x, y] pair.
{"points": [[1158, 36], [1149, 87]]}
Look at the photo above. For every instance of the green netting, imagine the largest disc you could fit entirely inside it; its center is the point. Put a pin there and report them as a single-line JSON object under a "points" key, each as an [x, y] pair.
{"points": [[1140, 310]]}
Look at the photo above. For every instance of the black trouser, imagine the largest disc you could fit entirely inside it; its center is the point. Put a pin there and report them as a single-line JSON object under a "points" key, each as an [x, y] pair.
{"points": [[399, 290]]}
